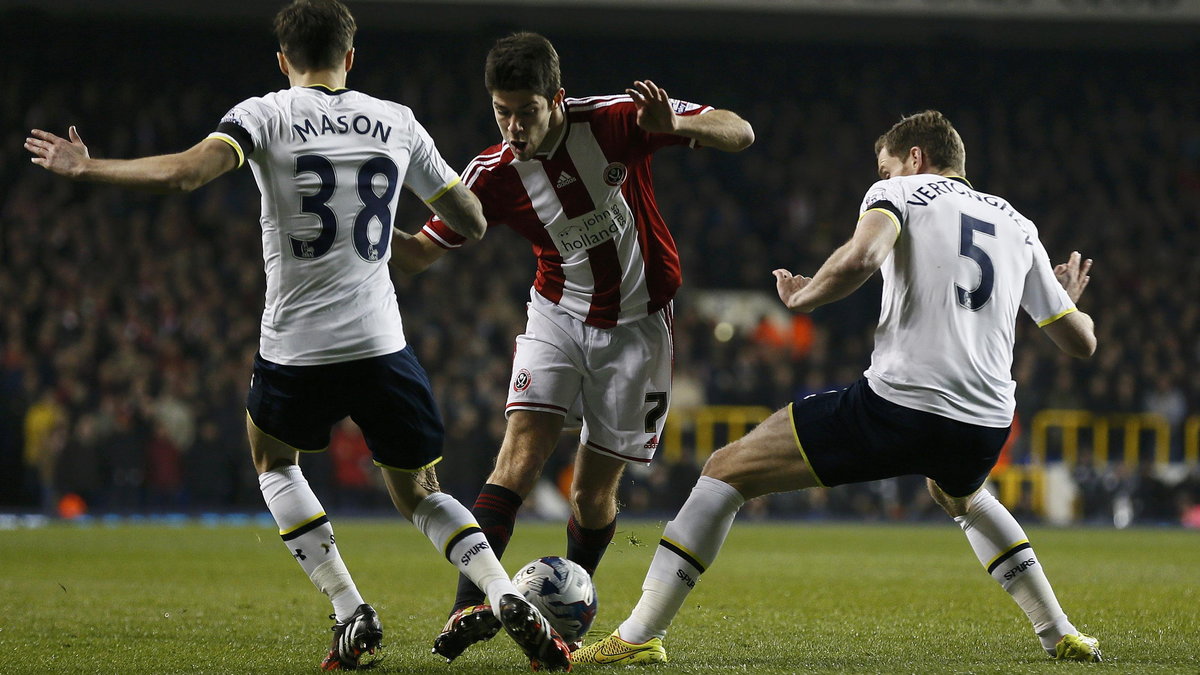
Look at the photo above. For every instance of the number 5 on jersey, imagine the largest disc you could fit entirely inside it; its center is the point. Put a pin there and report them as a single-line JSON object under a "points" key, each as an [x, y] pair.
{"points": [[977, 297]]}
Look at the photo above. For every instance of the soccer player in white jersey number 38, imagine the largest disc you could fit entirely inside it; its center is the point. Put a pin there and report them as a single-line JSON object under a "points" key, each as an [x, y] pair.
{"points": [[329, 162], [572, 175], [937, 399]]}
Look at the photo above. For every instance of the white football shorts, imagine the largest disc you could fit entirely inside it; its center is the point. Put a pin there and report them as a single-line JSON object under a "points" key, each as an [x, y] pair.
{"points": [[616, 382]]}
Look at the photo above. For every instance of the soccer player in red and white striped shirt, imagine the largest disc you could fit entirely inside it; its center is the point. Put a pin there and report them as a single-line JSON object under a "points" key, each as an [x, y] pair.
{"points": [[572, 175]]}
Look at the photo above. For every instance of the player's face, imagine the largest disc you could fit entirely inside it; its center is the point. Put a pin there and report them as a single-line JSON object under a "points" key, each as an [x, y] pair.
{"points": [[890, 166], [524, 119]]}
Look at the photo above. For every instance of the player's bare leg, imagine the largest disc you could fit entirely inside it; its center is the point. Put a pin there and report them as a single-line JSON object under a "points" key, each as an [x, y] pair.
{"points": [[1001, 546], [764, 461], [529, 440], [594, 487], [593, 498], [409, 488], [308, 535]]}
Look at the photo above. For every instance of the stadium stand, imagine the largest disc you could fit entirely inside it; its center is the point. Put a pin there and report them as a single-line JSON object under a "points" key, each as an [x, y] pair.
{"points": [[128, 321]]}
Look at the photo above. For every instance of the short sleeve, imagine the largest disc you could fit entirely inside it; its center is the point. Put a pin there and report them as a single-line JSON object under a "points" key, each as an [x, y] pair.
{"points": [[428, 175], [243, 129], [441, 234], [886, 196], [1044, 299]]}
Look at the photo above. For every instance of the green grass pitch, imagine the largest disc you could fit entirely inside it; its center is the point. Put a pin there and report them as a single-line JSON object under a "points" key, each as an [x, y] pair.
{"points": [[782, 598]]}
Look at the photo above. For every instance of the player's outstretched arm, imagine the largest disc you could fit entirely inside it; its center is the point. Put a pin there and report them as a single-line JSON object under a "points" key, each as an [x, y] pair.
{"points": [[414, 253], [720, 129], [460, 209], [1073, 275], [180, 172], [1075, 332], [845, 270]]}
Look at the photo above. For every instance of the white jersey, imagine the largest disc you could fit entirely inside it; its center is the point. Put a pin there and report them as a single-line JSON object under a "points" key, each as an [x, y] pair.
{"points": [[329, 165], [963, 262]]}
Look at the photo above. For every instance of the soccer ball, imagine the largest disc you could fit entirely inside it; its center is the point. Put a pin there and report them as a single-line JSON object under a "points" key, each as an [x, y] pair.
{"points": [[562, 591]]}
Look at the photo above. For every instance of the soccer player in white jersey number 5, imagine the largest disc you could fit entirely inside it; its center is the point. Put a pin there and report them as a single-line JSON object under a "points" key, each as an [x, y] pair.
{"points": [[329, 162], [572, 175], [937, 399]]}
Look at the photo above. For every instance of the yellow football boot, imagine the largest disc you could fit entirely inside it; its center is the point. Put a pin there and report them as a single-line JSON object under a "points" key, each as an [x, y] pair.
{"points": [[612, 650], [1078, 647]]}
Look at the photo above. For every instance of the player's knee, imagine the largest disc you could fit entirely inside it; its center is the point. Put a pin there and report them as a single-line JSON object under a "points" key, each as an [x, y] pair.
{"points": [[267, 461], [426, 482], [954, 506], [517, 466], [407, 489], [723, 465], [592, 501]]}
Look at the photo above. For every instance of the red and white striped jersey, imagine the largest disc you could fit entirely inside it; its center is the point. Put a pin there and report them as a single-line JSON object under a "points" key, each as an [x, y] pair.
{"points": [[587, 206]]}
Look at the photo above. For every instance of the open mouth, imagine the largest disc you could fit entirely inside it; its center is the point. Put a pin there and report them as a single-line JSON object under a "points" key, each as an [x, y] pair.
{"points": [[519, 146]]}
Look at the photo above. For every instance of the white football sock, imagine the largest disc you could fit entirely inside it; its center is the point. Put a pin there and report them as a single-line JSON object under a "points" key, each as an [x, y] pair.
{"points": [[453, 530], [689, 545], [306, 532], [1003, 549]]}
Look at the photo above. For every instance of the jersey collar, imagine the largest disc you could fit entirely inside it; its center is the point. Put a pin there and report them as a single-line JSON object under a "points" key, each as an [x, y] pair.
{"points": [[962, 180], [327, 90], [562, 136]]}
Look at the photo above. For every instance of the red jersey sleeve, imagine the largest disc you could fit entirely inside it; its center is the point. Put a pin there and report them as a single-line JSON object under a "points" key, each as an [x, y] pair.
{"points": [[440, 233], [477, 177], [621, 117], [683, 109]]}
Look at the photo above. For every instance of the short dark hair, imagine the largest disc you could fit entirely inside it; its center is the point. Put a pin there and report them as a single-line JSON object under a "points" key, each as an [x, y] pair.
{"points": [[933, 133], [315, 34], [523, 61]]}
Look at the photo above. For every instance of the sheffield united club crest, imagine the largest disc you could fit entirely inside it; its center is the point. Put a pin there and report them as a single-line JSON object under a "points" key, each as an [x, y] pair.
{"points": [[615, 173], [522, 380]]}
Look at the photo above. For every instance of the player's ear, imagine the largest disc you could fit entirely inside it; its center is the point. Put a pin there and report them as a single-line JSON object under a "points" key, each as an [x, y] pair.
{"points": [[559, 96], [283, 64], [349, 59], [916, 156]]}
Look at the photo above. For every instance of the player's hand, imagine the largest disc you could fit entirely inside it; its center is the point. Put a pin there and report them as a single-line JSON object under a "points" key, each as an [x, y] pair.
{"points": [[1073, 275], [654, 113], [789, 285], [57, 154]]}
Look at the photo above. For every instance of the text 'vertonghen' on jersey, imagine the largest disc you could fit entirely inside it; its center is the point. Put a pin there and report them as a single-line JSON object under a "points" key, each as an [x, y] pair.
{"points": [[925, 194], [963, 264], [587, 207], [330, 166]]}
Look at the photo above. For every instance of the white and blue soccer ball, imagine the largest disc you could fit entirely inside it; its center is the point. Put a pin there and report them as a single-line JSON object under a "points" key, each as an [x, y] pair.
{"points": [[563, 592]]}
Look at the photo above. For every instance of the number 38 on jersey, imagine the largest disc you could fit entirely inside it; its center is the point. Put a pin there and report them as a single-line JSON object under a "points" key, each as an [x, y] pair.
{"points": [[376, 182]]}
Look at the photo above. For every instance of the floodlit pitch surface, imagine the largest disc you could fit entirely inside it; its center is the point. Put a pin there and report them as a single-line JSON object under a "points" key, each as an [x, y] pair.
{"points": [[782, 598]]}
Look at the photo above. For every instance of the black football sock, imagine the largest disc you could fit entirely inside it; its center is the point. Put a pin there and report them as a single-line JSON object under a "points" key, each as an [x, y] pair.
{"points": [[587, 546], [496, 512]]}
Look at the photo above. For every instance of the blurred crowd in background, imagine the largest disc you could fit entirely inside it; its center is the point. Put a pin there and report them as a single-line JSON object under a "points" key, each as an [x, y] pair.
{"points": [[128, 321]]}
